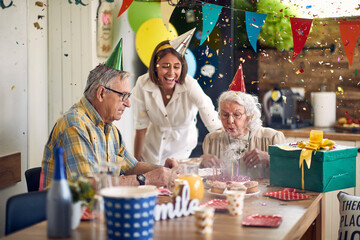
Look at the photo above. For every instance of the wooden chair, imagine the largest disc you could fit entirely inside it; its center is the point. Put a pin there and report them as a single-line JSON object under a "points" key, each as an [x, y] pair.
{"points": [[24, 210], [32, 176]]}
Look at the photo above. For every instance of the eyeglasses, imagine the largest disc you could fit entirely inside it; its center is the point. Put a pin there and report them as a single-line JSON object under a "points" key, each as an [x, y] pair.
{"points": [[124, 95], [225, 115]]}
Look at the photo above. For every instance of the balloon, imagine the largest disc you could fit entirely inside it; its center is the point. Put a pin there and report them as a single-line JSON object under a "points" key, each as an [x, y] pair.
{"points": [[191, 62], [207, 66], [149, 35], [140, 12]]}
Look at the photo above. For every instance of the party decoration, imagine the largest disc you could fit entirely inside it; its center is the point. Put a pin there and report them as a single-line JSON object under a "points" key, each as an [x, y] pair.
{"points": [[238, 83], [166, 11], [288, 194], [207, 62], [300, 29], [181, 43], [254, 23], [149, 35], [3, 6], [191, 62], [349, 31], [115, 60], [316, 142], [181, 207], [125, 5], [139, 12], [211, 13], [276, 32], [78, 2]]}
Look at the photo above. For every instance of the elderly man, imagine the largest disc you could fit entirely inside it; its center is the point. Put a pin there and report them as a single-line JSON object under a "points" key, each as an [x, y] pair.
{"points": [[90, 139]]}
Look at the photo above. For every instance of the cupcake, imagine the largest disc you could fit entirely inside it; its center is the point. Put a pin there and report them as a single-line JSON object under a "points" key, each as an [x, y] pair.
{"points": [[251, 187], [218, 187], [236, 186]]}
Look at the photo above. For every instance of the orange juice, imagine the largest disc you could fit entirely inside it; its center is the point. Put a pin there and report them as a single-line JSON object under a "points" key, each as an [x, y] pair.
{"points": [[196, 185]]}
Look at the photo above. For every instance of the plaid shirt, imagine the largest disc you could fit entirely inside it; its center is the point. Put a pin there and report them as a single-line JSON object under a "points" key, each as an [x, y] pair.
{"points": [[87, 142]]}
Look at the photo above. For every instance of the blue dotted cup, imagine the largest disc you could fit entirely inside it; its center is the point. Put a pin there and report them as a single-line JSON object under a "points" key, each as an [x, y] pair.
{"points": [[129, 212]]}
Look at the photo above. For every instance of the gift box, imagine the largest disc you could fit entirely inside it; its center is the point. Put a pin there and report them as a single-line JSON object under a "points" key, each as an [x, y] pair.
{"points": [[329, 170]]}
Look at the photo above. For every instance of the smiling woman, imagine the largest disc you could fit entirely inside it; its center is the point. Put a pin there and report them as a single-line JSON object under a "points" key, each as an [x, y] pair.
{"points": [[167, 101]]}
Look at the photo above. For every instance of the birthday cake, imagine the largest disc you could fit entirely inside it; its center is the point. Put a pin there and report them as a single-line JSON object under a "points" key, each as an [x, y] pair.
{"points": [[218, 184]]}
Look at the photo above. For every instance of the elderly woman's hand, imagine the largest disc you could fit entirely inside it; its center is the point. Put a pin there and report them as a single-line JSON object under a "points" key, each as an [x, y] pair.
{"points": [[209, 160], [171, 163], [255, 156]]}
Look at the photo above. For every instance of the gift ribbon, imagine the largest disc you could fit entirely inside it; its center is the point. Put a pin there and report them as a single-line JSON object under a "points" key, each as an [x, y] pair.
{"points": [[316, 142]]}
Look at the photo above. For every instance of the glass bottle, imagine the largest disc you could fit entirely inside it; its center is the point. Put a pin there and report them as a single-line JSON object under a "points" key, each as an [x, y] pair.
{"points": [[189, 171], [58, 201]]}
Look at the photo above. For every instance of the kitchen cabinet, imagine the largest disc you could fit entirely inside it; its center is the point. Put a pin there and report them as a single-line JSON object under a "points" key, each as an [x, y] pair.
{"points": [[331, 203]]}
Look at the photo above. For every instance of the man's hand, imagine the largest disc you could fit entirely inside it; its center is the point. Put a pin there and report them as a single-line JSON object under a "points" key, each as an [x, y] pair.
{"points": [[255, 156], [209, 160], [161, 176], [171, 163]]}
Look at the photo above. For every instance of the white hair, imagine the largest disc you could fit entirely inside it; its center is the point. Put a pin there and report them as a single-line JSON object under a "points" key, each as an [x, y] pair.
{"points": [[250, 102]]}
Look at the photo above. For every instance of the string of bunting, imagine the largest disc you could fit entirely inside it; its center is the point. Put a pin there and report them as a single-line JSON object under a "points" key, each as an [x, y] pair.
{"points": [[349, 30], [254, 21]]}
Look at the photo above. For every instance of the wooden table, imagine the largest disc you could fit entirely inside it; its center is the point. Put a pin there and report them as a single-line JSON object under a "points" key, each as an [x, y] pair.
{"points": [[297, 217]]}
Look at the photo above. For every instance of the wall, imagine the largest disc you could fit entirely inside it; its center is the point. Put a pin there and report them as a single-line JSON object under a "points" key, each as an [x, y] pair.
{"points": [[72, 54], [23, 89], [324, 64]]}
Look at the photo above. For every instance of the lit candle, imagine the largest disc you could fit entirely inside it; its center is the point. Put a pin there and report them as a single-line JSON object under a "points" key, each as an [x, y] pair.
{"points": [[238, 168]]}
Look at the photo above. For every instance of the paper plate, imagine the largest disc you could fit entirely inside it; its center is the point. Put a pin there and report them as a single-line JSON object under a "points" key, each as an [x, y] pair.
{"points": [[224, 195], [262, 221], [218, 204]]}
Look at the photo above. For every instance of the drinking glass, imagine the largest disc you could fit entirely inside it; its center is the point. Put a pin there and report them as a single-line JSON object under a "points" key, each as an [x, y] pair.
{"points": [[105, 177]]}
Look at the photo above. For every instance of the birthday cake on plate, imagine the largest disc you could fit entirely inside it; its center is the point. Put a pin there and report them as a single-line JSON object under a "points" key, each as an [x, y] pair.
{"points": [[218, 184]]}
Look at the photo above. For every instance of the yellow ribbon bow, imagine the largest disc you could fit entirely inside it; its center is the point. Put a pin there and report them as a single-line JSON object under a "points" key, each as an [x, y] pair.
{"points": [[316, 142]]}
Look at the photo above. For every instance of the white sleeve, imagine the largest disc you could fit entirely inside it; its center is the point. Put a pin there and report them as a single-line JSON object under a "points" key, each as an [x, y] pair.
{"points": [[140, 114], [206, 108]]}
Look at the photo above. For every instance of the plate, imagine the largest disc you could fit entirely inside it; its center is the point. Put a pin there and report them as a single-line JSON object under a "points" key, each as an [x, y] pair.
{"points": [[88, 215], [257, 220], [224, 195], [340, 128], [218, 204]]}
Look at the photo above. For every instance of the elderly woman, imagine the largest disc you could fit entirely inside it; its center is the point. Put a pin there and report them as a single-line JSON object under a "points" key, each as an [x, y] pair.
{"points": [[167, 101], [242, 139]]}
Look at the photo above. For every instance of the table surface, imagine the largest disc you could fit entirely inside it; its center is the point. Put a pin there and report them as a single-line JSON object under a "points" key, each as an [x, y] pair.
{"points": [[329, 133], [297, 217]]}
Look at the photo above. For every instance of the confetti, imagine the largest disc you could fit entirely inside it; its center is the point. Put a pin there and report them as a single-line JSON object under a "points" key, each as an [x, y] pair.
{"points": [[37, 25], [39, 4]]}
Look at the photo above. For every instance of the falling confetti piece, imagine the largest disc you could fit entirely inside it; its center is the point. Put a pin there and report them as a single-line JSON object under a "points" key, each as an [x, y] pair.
{"points": [[39, 4], [37, 25], [12, 88], [66, 54], [40, 17]]}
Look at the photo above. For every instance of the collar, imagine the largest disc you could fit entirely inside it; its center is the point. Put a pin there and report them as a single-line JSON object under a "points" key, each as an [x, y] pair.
{"points": [[92, 113]]}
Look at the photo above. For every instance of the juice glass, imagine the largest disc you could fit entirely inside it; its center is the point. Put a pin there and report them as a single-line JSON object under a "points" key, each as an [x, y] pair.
{"points": [[189, 171]]}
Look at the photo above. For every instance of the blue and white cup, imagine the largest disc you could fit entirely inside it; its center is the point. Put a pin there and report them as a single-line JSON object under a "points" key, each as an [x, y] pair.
{"points": [[129, 212]]}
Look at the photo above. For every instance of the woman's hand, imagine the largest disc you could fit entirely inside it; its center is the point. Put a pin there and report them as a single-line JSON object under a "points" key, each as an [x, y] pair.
{"points": [[209, 160], [255, 156]]}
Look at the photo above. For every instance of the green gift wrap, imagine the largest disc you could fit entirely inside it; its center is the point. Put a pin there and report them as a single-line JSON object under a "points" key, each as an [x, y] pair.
{"points": [[330, 170]]}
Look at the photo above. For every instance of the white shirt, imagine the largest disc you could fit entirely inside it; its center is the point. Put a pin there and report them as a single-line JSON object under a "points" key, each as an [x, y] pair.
{"points": [[171, 130]]}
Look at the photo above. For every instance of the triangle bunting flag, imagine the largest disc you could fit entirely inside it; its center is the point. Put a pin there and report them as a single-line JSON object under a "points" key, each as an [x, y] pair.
{"points": [[211, 13], [349, 31], [125, 5], [300, 28], [254, 23]]}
